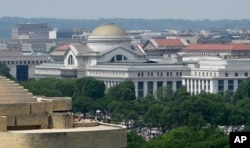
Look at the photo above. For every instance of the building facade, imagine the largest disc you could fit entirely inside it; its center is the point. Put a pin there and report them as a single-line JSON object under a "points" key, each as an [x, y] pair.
{"points": [[22, 66], [31, 31], [110, 56], [216, 75], [160, 47], [224, 51]]}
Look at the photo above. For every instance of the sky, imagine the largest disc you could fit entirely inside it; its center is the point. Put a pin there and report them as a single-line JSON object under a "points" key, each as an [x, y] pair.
{"points": [[145, 9]]}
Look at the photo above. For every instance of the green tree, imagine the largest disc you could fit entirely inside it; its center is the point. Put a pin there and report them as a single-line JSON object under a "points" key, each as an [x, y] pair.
{"points": [[5, 71], [134, 140], [182, 94], [243, 90], [165, 94], [66, 87], [90, 87], [152, 116], [83, 104], [189, 138], [122, 91]]}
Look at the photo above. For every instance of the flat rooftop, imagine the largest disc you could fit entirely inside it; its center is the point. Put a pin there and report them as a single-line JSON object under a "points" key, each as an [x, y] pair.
{"points": [[77, 129]]}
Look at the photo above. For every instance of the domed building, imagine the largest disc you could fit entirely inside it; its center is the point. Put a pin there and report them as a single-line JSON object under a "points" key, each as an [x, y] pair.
{"points": [[106, 36], [109, 56]]}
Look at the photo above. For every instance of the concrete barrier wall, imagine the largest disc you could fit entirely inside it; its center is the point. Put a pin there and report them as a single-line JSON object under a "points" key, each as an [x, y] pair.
{"points": [[29, 120], [88, 139], [62, 120], [27, 108], [3, 123], [61, 103]]}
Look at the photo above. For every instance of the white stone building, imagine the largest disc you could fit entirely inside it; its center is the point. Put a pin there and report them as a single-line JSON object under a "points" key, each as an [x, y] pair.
{"points": [[110, 56], [216, 75], [22, 66]]}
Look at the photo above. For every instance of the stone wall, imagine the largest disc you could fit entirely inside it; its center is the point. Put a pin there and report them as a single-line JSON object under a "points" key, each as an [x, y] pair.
{"points": [[3, 123], [62, 120], [116, 138], [61, 104], [40, 120], [26, 108]]}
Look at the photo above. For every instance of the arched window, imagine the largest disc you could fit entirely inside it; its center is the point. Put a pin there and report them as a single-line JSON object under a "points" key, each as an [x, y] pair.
{"points": [[71, 60], [118, 58]]}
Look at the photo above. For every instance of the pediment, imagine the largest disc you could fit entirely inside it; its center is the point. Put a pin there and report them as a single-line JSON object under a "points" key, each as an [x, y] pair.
{"points": [[120, 49], [130, 54]]}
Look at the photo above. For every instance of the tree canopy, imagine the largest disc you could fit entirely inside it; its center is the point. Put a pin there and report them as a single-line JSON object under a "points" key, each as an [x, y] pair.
{"points": [[179, 114], [5, 71]]}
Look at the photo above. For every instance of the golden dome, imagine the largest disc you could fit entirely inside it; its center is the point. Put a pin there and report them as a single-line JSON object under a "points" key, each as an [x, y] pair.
{"points": [[108, 30]]}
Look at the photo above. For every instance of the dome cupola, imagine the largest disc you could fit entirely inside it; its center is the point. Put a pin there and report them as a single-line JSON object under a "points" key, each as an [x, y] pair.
{"points": [[107, 36]]}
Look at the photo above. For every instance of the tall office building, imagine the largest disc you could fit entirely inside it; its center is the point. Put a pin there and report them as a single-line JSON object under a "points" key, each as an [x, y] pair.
{"points": [[31, 31]]}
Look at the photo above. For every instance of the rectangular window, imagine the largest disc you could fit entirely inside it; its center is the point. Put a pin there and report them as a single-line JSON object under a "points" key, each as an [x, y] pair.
{"points": [[239, 82], [22, 72], [177, 74], [159, 84], [221, 86], [180, 73], [226, 74], [140, 89], [150, 87], [236, 74], [246, 74], [230, 86], [178, 85], [170, 83], [167, 73]]}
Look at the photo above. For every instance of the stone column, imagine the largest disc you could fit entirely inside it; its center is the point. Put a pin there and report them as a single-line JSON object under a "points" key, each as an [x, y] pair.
{"points": [[136, 89], [225, 85], [191, 86], [145, 88], [235, 85], [174, 86]]}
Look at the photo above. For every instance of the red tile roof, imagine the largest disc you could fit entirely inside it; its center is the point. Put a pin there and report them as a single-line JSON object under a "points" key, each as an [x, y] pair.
{"points": [[169, 42], [62, 48], [200, 47]]}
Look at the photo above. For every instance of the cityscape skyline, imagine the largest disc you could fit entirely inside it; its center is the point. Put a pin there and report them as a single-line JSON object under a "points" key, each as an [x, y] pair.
{"points": [[159, 9]]}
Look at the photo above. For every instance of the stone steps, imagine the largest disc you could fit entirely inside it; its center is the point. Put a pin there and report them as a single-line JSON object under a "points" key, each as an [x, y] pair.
{"points": [[11, 92]]}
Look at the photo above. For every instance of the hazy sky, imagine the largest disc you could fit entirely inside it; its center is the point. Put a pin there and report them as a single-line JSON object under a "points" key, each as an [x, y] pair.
{"points": [[147, 9]]}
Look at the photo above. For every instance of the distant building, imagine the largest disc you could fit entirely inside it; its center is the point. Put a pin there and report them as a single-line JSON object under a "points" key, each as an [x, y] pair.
{"points": [[224, 51], [22, 66], [58, 54], [31, 31], [216, 68], [215, 75], [160, 47], [109, 56], [69, 34]]}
